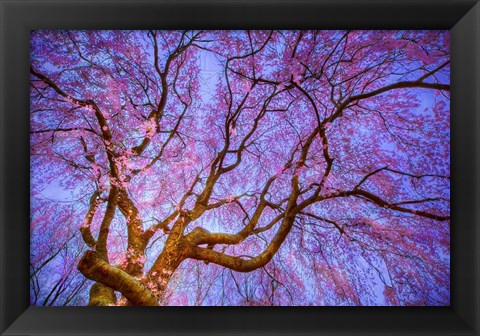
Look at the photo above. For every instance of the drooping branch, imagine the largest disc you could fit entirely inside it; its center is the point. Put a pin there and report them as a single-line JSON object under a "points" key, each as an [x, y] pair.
{"points": [[323, 219], [394, 86], [393, 206], [416, 176], [432, 72], [66, 129]]}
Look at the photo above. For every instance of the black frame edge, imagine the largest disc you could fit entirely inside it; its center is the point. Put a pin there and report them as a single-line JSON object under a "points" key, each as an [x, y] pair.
{"points": [[465, 36]]}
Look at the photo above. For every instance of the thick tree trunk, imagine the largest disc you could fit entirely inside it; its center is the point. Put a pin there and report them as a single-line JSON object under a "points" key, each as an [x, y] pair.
{"points": [[174, 253], [101, 295], [147, 290], [93, 267]]}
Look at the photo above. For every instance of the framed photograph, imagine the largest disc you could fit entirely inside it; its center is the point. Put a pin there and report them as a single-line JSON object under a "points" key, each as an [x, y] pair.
{"points": [[240, 167]]}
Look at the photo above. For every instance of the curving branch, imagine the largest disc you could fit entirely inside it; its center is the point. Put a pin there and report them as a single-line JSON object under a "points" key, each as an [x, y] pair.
{"points": [[242, 265], [393, 206], [95, 268]]}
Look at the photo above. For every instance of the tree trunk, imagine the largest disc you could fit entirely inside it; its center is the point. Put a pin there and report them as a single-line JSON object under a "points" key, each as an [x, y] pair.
{"points": [[175, 252], [93, 267], [101, 295]]}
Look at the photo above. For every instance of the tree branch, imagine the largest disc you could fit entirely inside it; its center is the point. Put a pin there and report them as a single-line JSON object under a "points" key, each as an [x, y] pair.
{"points": [[95, 268]]}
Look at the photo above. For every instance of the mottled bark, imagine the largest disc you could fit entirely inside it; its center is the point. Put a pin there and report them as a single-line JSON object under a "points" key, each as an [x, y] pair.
{"points": [[243, 265], [95, 268], [136, 243], [101, 295], [105, 226], [85, 228]]}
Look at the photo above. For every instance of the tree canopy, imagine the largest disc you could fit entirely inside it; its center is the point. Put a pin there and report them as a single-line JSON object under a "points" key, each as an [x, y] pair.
{"points": [[240, 168]]}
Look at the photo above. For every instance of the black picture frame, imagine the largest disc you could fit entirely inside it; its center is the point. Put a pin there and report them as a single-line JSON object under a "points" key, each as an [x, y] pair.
{"points": [[18, 17]]}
